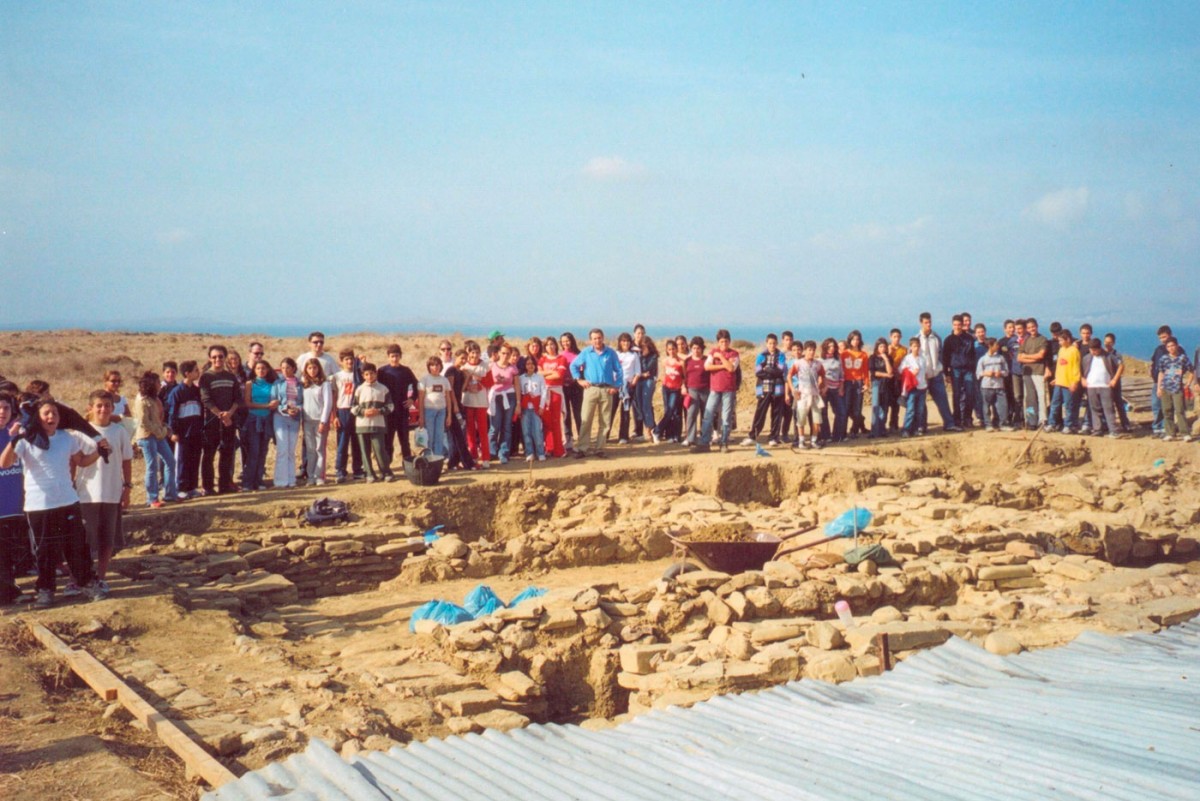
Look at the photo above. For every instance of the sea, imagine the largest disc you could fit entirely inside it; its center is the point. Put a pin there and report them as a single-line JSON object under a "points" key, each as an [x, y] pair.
{"points": [[1134, 340]]}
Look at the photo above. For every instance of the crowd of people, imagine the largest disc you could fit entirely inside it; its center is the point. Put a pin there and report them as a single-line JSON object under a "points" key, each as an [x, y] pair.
{"points": [[65, 478]]}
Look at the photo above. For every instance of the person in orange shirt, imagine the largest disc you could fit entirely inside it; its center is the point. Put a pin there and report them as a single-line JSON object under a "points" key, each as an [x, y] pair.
{"points": [[857, 376]]}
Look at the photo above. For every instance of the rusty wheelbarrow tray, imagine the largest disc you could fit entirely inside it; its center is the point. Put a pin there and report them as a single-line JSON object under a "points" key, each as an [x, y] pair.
{"points": [[737, 557]]}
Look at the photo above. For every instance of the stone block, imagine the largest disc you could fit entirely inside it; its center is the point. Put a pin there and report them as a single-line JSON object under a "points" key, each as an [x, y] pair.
{"points": [[501, 720], [702, 579], [769, 632], [641, 658], [832, 668], [557, 618], [906, 636], [1075, 571], [998, 572], [468, 703]]}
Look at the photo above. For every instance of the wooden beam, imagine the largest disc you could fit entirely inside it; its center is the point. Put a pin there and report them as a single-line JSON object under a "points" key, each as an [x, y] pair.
{"points": [[111, 687]]}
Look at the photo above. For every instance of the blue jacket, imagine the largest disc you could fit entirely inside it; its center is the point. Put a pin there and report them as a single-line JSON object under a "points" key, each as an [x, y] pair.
{"points": [[769, 373]]}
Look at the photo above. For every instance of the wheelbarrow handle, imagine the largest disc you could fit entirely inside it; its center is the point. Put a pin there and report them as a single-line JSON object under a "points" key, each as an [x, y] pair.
{"points": [[798, 533], [786, 551]]}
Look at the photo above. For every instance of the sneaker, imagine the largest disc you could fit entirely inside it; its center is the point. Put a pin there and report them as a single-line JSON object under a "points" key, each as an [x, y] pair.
{"points": [[989, 428], [638, 438], [622, 441], [772, 443], [905, 435], [700, 448], [390, 477], [95, 593], [922, 433], [805, 444], [654, 436], [724, 448], [542, 458], [371, 479], [529, 458], [72, 590], [503, 460], [155, 504], [1007, 428], [103, 587], [748, 441], [44, 600], [1187, 437], [816, 444], [320, 482]]}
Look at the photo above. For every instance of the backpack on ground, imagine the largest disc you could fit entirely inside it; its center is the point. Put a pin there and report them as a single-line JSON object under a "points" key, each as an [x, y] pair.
{"points": [[327, 510]]}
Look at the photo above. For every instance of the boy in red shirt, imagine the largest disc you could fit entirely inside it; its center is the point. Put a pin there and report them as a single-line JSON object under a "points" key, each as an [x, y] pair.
{"points": [[721, 366]]}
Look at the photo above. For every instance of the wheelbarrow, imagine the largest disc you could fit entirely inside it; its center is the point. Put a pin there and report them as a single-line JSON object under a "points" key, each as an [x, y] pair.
{"points": [[736, 557]]}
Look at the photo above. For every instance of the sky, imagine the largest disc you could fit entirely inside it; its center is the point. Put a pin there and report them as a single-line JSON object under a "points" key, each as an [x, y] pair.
{"points": [[470, 164]]}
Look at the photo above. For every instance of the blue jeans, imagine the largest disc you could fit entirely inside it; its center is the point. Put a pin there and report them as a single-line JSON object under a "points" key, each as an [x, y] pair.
{"points": [[963, 381], [937, 391], [1064, 407], [500, 435], [835, 404], [668, 426], [879, 406], [915, 412], [1156, 410], [154, 451], [435, 429], [531, 431], [994, 399], [347, 445], [725, 401], [259, 431], [644, 403]]}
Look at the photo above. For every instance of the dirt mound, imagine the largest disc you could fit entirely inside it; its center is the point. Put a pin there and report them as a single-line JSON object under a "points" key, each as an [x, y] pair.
{"points": [[720, 532]]}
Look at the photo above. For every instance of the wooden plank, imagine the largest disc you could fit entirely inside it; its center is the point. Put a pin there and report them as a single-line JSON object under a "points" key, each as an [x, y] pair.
{"points": [[198, 761]]}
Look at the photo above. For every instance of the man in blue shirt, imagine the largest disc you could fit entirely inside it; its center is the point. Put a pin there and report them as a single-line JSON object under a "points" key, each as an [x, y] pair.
{"points": [[598, 373]]}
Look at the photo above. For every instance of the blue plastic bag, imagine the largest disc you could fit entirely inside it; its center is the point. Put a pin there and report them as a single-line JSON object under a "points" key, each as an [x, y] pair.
{"points": [[849, 522], [482, 601], [432, 534], [526, 594], [442, 612]]}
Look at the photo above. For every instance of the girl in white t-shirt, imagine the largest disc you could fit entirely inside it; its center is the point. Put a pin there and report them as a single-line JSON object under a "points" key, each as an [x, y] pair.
{"points": [[51, 503], [437, 404]]}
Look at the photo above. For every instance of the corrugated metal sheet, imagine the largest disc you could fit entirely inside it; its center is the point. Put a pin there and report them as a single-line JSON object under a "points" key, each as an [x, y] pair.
{"points": [[1102, 718]]}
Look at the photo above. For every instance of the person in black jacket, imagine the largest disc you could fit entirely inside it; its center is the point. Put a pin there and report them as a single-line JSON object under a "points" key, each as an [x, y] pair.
{"points": [[958, 356], [400, 382], [769, 370]]}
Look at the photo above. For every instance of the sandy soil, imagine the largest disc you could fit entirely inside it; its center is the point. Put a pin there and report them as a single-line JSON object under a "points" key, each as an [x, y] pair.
{"points": [[341, 666]]}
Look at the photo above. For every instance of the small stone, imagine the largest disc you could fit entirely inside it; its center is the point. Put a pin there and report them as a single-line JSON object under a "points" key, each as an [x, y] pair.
{"points": [[833, 668], [461, 725], [501, 720], [887, 614], [1002, 643], [826, 636], [999, 572], [770, 632]]}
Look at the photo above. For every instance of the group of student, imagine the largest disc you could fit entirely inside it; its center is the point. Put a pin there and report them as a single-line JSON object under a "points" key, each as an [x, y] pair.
{"points": [[65, 478]]}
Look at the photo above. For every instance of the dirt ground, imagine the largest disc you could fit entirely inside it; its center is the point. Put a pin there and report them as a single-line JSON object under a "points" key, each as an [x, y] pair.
{"points": [[259, 633]]}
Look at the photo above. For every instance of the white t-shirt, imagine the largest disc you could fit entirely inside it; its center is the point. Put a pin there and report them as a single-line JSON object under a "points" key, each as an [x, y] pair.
{"points": [[343, 387], [328, 363], [475, 394], [435, 387], [631, 365], [1098, 375], [101, 481], [48, 472]]}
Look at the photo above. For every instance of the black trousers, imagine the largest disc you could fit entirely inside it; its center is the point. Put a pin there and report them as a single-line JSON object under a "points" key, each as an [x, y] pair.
{"points": [[218, 441], [58, 534]]}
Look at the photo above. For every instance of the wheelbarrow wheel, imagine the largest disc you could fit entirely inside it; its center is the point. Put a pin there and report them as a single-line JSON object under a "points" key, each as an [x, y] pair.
{"points": [[679, 567]]}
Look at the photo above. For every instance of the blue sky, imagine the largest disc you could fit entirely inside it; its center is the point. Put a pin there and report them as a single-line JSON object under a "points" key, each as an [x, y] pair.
{"points": [[474, 164]]}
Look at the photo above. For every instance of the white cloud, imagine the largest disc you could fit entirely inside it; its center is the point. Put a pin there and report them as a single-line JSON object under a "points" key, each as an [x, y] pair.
{"points": [[611, 168], [1059, 208], [903, 235], [173, 236]]}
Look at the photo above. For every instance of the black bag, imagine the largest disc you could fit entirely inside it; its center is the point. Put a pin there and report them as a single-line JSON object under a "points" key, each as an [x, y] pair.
{"points": [[327, 510]]}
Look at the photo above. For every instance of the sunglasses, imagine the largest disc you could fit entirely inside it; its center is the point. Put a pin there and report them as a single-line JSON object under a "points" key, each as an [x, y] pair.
{"points": [[316, 342]]}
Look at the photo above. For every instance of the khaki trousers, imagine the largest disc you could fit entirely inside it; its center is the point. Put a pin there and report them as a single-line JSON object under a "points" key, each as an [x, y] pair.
{"points": [[596, 403]]}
